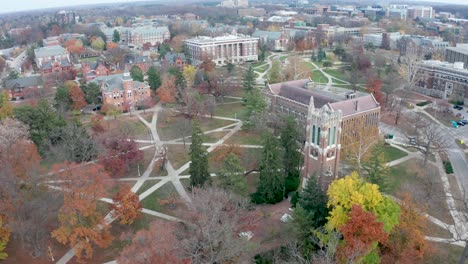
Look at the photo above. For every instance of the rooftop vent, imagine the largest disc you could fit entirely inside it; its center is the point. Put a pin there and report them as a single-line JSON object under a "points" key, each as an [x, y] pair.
{"points": [[351, 95]]}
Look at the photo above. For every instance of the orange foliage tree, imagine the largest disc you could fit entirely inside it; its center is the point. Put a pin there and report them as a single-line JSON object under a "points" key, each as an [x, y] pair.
{"points": [[126, 206], [78, 97], [112, 45], [361, 233], [374, 86], [167, 91], [82, 226], [74, 46], [406, 243], [97, 124]]}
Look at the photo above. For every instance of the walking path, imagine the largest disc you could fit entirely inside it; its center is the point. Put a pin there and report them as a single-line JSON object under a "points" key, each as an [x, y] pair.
{"points": [[173, 176]]}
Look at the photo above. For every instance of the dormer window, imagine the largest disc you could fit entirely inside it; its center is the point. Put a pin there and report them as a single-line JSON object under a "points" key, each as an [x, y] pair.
{"points": [[129, 93]]}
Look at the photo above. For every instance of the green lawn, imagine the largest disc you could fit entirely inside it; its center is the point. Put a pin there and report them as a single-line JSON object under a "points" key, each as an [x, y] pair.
{"points": [[236, 110], [392, 153], [146, 185], [178, 155], [258, 63], [165, 192], [336, 73], [245, 137], [283, 57], [262, 68], [317, 76]]}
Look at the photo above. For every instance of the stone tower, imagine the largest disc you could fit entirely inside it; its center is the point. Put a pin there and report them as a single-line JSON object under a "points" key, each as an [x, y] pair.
{"points": [[127, 83], [323, 144]]}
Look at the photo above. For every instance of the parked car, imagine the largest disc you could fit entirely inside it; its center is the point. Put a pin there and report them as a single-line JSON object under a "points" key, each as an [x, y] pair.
{"points": [[460, 123], [465, 121], [458, 115]]}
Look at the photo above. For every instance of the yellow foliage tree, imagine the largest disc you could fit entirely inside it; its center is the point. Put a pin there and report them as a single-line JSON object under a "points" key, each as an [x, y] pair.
{"points": [[189, 75], [6, 110], [353, 190]]}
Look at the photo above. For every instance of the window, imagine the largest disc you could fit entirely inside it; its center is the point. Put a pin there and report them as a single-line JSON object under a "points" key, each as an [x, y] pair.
{"points": [[313, 134], [318, 136], [129, 93], [329, 133]]}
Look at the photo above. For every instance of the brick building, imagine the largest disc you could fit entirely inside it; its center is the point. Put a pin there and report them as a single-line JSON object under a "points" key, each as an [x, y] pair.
{"points": [[140, 35], [18, 88], [53, 59], [329, 115], [93, 70], [120, 90], [222, 50], [171, 59], [274, 40], [442, 79]]}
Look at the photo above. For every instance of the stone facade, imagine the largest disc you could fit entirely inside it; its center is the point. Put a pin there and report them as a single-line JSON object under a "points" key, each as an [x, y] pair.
{"points": [[329, 116]]}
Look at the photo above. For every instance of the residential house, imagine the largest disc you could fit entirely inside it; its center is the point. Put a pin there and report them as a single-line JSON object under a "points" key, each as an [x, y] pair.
{"points": [[93, 70], [274, 40], [172, 59], [18, 88]]}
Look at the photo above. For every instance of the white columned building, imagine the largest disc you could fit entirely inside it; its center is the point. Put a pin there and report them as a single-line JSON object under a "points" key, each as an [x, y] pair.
{"points": [[222, 50]]}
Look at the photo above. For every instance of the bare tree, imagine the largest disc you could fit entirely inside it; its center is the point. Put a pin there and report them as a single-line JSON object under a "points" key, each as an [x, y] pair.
{"points": [[358, 141], [409, 69], [295, 68], [211, 232]]}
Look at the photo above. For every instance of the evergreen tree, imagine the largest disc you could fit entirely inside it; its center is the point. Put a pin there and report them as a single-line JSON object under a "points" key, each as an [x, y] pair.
{"points": [[270, 188], [255, 103], [181, 84], [198, 169], [154, 79], [116, 36], [292, 158], [314, 56], [137, 73], [309, 215], [248, 83], [321, 55], [92, 93], [232, 175], [376, 168], [63, 101]]}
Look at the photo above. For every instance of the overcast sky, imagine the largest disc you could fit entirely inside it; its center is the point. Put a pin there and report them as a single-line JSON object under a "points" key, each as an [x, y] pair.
{"points": [[21, 5]]}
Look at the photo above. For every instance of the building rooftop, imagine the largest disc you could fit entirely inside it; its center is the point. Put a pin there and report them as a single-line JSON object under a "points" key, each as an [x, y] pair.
{"points": [[112, 82], [50, 51], [348, 101], [24, 82], [206, 39]]}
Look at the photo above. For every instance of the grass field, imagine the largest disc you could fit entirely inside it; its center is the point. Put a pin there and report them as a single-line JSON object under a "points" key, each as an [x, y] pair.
{"points": [[392, 153], [235, 110], [153, 200]]}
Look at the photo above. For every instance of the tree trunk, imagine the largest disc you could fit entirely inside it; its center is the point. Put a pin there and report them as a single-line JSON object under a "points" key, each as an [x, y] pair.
{"points": [[464, 256]]}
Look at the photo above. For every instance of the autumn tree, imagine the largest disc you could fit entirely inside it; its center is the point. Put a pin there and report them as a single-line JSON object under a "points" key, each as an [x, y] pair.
{"points": [[154, 79], [6, 110], [153, 245], [112, 45], [214, 220], [198, 169], [82, 226], [374, 87], [167, 92], [126, 206], [232, 175], [77, 97], [359, 141], [74, 46], [97, 43], [275, 73], [295, 69], [97, 123], [353, 190], [122, 153], [73, 143], [189, 75], [137, 73], [407, 243], [4, 238], [361, 233], [271, 188]]}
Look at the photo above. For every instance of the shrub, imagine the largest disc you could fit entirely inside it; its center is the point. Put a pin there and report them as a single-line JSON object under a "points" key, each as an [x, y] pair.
{"points": [[448, 167], [424, 103]]}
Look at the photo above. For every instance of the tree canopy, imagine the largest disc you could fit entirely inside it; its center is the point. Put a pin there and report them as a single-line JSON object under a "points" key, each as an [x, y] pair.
{"points": [[198, 169]]}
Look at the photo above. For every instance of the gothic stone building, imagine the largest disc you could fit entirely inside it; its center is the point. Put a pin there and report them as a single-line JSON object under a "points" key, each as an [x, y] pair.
{"points": [[328, 114]]}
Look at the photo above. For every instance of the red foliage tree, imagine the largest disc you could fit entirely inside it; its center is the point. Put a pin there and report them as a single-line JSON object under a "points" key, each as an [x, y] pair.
{"points": [[126, 206], [121, 154], [360, 233], [81, 224], [167, 92], [374, 86], [146, 46], [155, 245], [96, 124], [112, 45], [74, 46], [78, 97]]}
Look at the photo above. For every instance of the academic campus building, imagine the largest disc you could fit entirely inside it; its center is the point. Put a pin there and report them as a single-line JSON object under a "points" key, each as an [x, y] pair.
{"points": [[331, 117], [222, 50]]}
